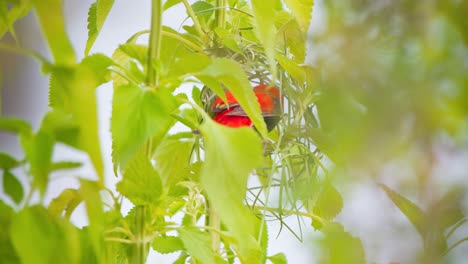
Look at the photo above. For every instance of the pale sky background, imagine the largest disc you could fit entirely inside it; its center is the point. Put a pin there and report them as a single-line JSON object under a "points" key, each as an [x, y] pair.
{"points": [[368, 213]]}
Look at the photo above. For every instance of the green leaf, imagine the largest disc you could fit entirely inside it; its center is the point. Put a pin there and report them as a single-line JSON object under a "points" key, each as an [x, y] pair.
{"points": [[264, 16], [170, 3], [173, 169], [230, 74], [38, 150], [12, 187], [89, 191], [62, 126], [136, 51], [67, 201], [279, 258], [52, 23], [15, 125], [97, 15], [302, 10], [293, 40], [137, 115], [230, 156], [141, 184], [343, 248], [328, 204], [167, 244], [198, 244], [7, 252], [7, 162], [73, 91], [40, 238], [416, 216], [203, 10]]}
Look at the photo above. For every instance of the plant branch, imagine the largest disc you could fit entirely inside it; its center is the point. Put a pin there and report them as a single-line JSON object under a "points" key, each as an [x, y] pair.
{"points": [[455, 227], [455, 245], [285, 211], [196, 23], [154, 48]]}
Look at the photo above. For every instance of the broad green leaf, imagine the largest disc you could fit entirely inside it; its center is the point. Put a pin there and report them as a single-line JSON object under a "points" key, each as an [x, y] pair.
{"points": [[15, 125], [304, 74], [230, 74], [136, 51], [141, 184], [97, 15], [414, 214], [7, 252], [302, 10], [264, 16], [198, 244], [40, 238], [167, 244], [328, 204], [38, 150], [230, 156], [7, 162], [293, 40], [12, 187], [62, 126], [66, 202], [170, 3], [279, 258], [137, 115], [73, 91], [89, 191], [52, 22], [342, 247], [173, 169], [203, 10]]}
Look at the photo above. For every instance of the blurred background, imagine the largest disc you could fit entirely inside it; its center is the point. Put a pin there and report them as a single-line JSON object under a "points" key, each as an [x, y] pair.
{"points": [[393, 98]]}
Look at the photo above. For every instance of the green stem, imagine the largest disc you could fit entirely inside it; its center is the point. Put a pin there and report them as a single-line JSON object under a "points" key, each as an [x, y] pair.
{"points": [[183, 40], [221, 13], [455, 227], [293, 212], [141, 247], [220, 16], [455, 245], [154, 48], [215, 224], [196, 23]]}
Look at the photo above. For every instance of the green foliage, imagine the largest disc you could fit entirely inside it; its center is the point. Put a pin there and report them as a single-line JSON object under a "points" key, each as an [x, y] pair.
{"points": [[97, 14], [231, 75], [34, 224], [137, 114], [231, 154], [197, 244], [380, 85], [51, 19], [168, 244], [342, 247], [12, 186], [141, 183], [264, 16], [302, 10]]}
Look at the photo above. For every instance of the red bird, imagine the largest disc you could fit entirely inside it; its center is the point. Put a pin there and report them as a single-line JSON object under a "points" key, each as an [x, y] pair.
{"points": [[232, 114]]}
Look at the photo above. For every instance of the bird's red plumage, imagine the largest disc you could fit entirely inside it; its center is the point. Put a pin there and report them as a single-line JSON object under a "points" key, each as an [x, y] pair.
{"points": [[233, 115]]}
